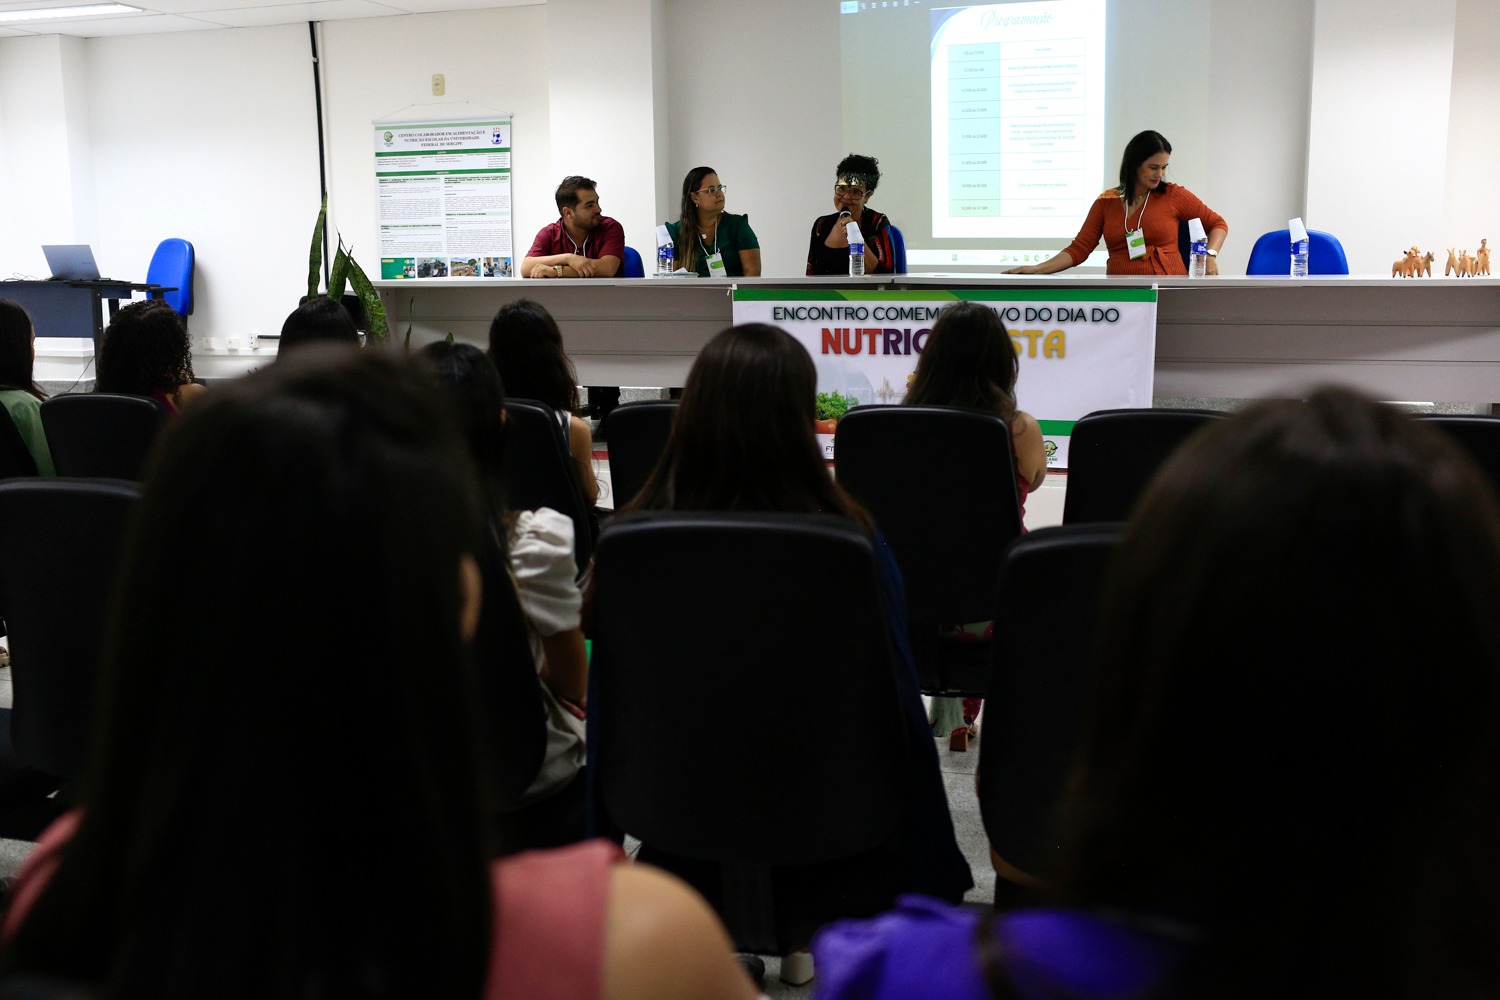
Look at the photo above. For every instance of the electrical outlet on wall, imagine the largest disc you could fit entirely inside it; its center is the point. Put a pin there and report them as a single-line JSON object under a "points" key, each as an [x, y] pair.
{"points": [[439, 84]]}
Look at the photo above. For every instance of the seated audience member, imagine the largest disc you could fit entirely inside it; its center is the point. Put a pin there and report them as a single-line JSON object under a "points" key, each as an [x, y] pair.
{"points": [[528, 568], [971, 361], [19, 393], [146, 352], [828, 246], [318, 320], [1291, 781], [527, 349], [703, 232], [583, 243], [743, 440], [238, 813]]}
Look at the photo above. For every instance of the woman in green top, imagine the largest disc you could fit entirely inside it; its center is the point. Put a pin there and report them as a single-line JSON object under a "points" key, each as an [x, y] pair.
{"points": [[19, 393], [705, 232]]}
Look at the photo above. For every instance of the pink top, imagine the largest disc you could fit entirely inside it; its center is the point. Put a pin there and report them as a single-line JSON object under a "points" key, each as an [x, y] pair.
{"points": [[549, 914]]}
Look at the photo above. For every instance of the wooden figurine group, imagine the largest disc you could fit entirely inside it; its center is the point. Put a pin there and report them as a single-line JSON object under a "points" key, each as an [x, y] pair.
{"points": [[1416, 264], [1467, 265]]}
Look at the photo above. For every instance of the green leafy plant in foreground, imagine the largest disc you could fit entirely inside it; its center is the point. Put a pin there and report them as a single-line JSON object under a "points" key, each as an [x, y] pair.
{"points": [[833, 405], [345, 272]]}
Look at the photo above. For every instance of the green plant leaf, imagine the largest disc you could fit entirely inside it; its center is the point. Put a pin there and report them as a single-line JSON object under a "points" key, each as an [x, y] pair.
{"points": [[833, 405], [411, 313], [315, 255], [380, 331], [448, 339], [338, 277]]}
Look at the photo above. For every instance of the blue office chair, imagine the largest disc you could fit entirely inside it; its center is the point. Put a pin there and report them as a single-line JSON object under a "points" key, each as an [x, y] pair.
{"points": [[898, 251], [1272, 253], [172, 265], [632, 267]]}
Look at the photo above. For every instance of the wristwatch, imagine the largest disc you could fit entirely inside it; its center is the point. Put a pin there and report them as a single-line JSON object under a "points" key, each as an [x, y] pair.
{"points": [[559, 268], [1213, 253]]}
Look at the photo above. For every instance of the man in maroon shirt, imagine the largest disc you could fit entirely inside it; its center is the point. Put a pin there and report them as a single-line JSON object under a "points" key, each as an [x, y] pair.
{"points": [[584, 243]]}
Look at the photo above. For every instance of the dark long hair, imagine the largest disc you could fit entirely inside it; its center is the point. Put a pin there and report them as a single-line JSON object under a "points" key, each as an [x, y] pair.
{"points": [[241, 803], [527, 349], [471, 389], [970, 361], [1294, 742], [145, 351], [17, 360], [743, 438], [317, 320], [687, 253], [1141, 147]]}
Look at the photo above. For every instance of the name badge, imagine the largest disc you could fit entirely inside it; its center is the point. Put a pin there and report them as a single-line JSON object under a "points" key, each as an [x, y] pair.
{"points": [[1135, 243], [716, 264]]}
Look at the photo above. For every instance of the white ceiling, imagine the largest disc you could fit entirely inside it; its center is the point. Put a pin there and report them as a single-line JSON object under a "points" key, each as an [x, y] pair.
{"points": [[199, 15]]}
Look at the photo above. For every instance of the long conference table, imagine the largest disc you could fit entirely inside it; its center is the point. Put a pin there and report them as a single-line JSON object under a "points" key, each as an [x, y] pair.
{"points": [[1429, 339]]}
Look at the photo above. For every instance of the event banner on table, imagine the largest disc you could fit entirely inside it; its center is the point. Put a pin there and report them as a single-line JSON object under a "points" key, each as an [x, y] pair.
{"points": [[443, 197], [1079, 350]]}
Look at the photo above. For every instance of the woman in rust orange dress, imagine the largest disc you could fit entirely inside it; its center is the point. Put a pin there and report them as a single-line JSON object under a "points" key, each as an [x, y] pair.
{"points": [[1143, 204]]}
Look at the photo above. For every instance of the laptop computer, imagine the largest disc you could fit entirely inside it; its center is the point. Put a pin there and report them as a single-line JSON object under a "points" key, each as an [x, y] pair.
{"points": [[72, 262]]}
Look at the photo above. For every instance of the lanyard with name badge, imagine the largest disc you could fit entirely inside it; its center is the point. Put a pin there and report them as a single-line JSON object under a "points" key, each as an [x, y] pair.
{"points": [[713, 257], [1135, 239]]}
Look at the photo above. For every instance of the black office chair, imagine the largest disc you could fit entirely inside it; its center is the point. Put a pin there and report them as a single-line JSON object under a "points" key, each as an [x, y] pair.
{"points": [[539, 470], [941, 484], [1113, 455], [638, 434], [1051, 580], [101, 435], [59, 542], [1478, 436], [716, 662], [15, 457]]}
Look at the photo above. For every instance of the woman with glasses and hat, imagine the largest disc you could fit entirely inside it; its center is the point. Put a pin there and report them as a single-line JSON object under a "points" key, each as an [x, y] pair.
{"points": [[828, 247], [709, 240]]}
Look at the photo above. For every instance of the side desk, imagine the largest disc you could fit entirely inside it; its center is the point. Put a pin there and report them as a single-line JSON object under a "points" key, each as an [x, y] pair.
{"points": [[74, 308], [1431, 339]]}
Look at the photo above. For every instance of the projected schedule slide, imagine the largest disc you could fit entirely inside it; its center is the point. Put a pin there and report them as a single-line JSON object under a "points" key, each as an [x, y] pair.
{"points": [[1017, 117]]}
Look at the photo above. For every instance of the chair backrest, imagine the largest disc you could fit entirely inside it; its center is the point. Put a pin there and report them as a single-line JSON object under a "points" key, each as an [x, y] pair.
{"points": [[59, 543], [101, 435], [172, 265], [1272, 254], [898, 251], [631, 266], [1478, 436], [1113, 455], [1050, 586], [539, 470], [941, 484], [703, 609], [638, 434], [15, 457]]}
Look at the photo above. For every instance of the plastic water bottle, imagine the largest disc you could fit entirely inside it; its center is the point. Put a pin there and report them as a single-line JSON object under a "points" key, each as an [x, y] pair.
{"points": [[1198, 259], [1298, 231], [666, 258], [1299, 258], [856, 258], [1197, 262]]}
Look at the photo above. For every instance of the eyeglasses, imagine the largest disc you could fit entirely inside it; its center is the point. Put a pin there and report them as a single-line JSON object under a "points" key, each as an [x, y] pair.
{"points": [[849, 189], [713, 189]]}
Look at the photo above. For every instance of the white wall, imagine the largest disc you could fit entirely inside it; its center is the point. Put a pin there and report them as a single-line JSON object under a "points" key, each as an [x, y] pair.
{"points": [[493, 60], [1379, 126], [210, 135], [1471, 209], [755, 93]]}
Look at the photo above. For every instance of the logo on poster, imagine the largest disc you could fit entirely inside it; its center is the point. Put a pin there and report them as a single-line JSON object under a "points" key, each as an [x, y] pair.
{"points": [[390, 139], [497, 137]]}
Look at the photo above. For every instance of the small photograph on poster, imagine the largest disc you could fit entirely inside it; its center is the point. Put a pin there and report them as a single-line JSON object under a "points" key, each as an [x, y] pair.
{"points": [[432, 267], [495, 267], [463, 267], [396, 268]]}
